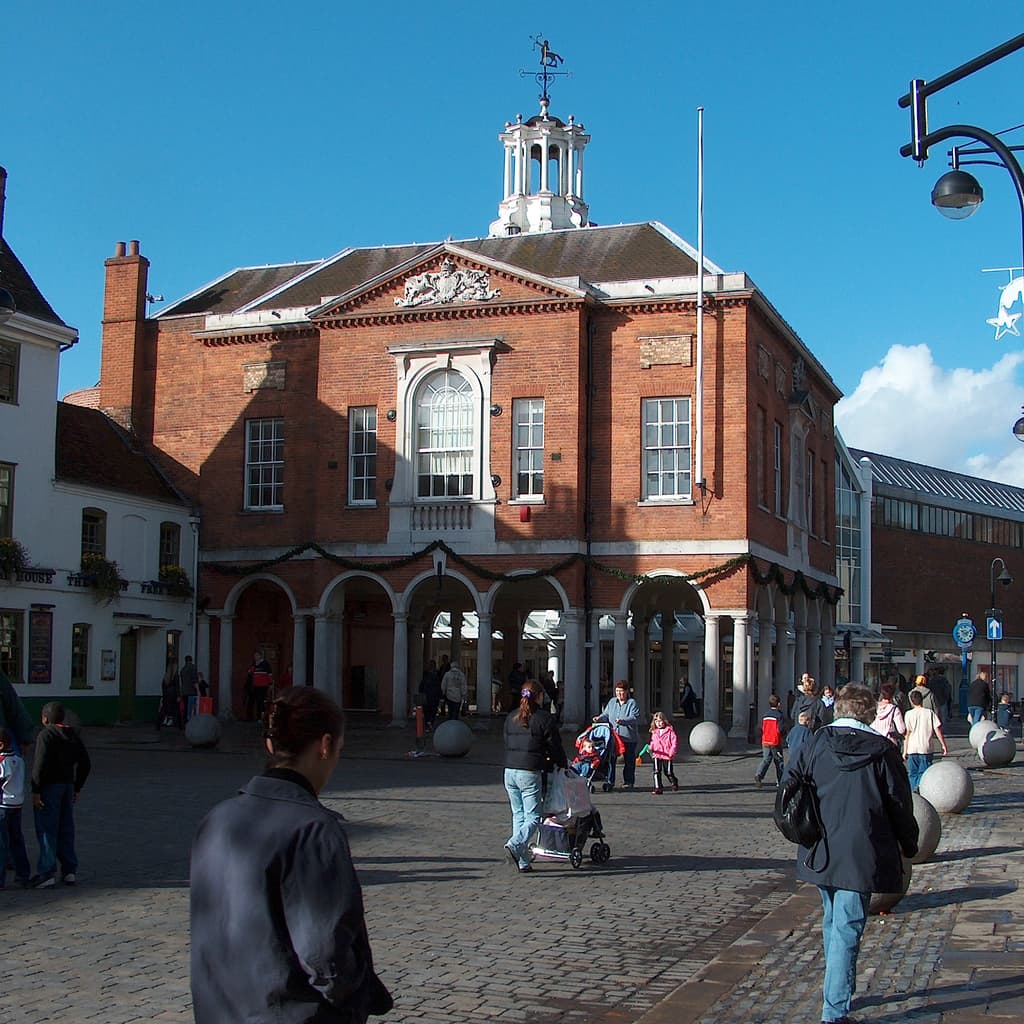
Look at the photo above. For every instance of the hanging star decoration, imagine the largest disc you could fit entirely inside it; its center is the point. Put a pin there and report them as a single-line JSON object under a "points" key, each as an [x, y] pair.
{"points": [[1005, 322]]}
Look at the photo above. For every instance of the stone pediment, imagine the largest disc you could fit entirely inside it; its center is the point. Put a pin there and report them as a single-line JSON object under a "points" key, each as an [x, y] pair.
{"points": [[442, 281]]}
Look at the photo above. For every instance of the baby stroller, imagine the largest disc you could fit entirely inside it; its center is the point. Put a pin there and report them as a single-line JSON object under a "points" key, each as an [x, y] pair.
{"points": [[605, 745], [564, 836]]}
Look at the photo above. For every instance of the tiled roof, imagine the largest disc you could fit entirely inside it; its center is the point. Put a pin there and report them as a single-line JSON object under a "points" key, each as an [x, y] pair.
{"points": [[236, 289], [941, 485], [624, 252], [95, 451], [27, 297]]}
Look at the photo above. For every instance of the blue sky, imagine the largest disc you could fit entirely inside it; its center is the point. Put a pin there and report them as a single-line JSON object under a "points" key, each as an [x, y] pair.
{"points": [[225, 134]]}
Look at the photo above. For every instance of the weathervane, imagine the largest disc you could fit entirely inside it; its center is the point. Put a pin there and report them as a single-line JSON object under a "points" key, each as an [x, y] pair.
{"points": [[549, 61]]}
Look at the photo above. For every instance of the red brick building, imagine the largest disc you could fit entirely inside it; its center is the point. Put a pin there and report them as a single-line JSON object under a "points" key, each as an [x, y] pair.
{"points": [[462, 439]]}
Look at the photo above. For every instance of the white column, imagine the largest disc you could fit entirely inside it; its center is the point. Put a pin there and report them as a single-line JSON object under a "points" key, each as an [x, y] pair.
{"points": [[400, 671], [620, 650], [711, 664], [507, 188], [857, 664], [321, 659], [224, 668], [641, 646], [668, 666], [544, 183], [299, 650], [595, 654], [572, 623], [484, 668], [741, 692], [814, 656], [579, 172], [203, 646], [765, 683], [799, 655]]}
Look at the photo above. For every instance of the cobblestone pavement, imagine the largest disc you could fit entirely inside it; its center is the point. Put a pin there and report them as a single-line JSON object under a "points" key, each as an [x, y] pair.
{"points": [[696, 918]]}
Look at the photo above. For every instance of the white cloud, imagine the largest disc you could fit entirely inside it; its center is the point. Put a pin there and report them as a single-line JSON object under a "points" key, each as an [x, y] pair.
{"points": [[958, 419]]}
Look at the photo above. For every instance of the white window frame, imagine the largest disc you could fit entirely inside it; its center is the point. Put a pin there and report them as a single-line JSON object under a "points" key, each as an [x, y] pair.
{"points": [[362, 455], [6, 499], [10, 359], [445, 438], [665, 458], [264, 473], [528, 449]]}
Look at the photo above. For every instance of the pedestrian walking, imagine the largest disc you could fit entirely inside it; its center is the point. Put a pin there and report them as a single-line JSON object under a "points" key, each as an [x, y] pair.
{"points": [[809, 701], [188, 687], [773, 732], [798, 735], [923, 726], [663, 744], [12, 799], [888, 720], [622, 713], [532, 746], [979, 697], [430, 690], [867, 814], [455, 690], [59, 770], [278, 929]]}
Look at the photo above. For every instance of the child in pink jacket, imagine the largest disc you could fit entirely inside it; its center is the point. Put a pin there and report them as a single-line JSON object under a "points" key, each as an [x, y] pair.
{"points": [[664, 744]]}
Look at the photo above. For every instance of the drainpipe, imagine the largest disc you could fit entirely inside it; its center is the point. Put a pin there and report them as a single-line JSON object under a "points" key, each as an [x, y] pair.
{"points": [[588, 520]]}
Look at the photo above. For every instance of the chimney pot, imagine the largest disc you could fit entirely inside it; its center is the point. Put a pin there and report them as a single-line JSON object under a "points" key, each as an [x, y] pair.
{"points": [[133, 247], [118, 249]]}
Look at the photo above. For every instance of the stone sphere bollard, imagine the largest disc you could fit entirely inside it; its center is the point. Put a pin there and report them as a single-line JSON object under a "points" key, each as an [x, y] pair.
{"points": [[453, 738], [929, 827], [999, 749], [883, 902], [203, 731], [707, 738], [947, 787], [980, 732]]}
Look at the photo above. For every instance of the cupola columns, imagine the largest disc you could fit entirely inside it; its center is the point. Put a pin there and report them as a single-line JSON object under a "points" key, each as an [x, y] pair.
{"points": [[542, 187]]}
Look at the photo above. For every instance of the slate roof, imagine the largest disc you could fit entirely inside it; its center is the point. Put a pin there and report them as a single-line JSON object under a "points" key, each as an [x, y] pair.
{"points": [[27, 297], [941, 486], [624, 252], [93, 450], [236, 289]]}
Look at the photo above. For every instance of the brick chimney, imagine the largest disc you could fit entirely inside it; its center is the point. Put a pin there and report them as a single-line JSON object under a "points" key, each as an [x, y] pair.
{"points": [[124, 333]]}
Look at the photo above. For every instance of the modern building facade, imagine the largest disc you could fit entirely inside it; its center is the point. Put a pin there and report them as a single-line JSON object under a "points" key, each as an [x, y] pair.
{"points": [[410, 448]]}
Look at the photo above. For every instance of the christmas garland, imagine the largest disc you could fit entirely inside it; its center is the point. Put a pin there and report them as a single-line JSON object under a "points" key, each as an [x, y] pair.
{"points": [[706, 577]]}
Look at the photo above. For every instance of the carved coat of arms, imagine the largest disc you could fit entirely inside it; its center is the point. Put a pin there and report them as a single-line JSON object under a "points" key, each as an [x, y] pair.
{"points": [[449, 284]]}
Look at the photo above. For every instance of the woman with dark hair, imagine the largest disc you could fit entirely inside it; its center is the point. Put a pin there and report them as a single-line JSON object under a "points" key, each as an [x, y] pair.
{"points": [[888, 719], [532, 746], [278, 932]]}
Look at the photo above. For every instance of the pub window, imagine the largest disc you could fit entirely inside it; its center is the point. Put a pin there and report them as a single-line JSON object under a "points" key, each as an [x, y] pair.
{"points": [[80, 654], [8, 372], [170, 544], [94, 532], [12, 643]]}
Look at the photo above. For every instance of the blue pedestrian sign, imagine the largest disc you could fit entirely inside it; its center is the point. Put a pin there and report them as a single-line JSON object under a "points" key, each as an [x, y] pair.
{"points": [[994, 628]]}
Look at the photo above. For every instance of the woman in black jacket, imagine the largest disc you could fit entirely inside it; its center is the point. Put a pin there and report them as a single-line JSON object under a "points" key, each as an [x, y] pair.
{"points": [[278, 932], [532, 746]]}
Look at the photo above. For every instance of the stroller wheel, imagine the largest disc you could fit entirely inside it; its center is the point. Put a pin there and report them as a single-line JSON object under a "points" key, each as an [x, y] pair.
{"points": [[595, 853], [575, 856], [606, 853]]}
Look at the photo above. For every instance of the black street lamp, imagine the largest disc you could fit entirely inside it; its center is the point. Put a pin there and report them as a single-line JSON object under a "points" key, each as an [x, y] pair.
{"points": [[1005, 579], [957, 194]]}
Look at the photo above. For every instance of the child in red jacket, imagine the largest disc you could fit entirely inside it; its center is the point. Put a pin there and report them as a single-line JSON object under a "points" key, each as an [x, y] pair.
{"points": [[664, 744]]}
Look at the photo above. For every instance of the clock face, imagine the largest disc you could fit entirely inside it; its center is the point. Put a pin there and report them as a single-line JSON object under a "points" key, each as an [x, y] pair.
{"points": [[964, 632]]}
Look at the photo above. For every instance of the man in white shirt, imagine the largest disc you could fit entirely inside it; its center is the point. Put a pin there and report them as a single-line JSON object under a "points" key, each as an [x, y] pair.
{"points": [[923, 725]]}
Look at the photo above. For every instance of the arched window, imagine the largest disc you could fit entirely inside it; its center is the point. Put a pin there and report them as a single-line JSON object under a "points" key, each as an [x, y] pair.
{"points": [[444, 437]]}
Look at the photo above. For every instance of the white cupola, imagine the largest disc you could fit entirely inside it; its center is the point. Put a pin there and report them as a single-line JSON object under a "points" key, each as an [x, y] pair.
{"points": [[543, 175]]}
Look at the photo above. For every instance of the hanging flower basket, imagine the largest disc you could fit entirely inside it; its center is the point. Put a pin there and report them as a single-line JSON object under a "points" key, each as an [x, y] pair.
{"points": [[13, 557], [175, 581], [103, 576]]}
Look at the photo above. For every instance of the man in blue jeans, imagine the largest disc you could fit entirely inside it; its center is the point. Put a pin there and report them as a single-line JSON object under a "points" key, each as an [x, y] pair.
{"points": [[59, 771], [867, 813]]}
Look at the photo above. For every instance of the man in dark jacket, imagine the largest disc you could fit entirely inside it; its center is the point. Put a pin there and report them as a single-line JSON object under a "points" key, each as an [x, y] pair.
{"points": [[979, 697], [868, 816], [59, 771]]}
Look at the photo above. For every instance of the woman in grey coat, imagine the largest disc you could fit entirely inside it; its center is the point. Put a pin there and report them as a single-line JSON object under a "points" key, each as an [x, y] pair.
{"points": [[278, 932]]}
